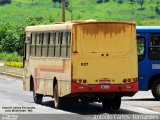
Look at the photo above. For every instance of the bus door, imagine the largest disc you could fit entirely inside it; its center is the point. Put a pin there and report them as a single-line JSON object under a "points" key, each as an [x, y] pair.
{"points": [[143, 62]]}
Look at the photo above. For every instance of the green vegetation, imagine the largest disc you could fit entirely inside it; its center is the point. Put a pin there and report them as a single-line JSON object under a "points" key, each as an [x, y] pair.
{"points": [[15, 15], [5, 2], [11, 38], [18, 14], [138, 11], [10, 57]]}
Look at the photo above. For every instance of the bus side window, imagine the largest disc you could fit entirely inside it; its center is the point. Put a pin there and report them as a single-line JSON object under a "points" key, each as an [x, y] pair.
{"points": [[45, 41], [68, 43], [57, 44], [39, 45], [33, 44], [141, 48], [63, 45], [154, 47], [51, 51]]}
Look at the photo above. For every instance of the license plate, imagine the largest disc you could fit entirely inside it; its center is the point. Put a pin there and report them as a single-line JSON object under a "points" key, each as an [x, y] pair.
{"points": [[104, 86]]}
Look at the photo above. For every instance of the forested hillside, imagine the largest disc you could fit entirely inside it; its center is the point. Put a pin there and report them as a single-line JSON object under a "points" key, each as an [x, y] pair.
{"points": [[145, 12], [15, 15]]}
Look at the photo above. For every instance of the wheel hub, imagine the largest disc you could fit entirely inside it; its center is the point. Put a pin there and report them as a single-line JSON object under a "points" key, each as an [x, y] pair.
{"points": [[158, 89]]}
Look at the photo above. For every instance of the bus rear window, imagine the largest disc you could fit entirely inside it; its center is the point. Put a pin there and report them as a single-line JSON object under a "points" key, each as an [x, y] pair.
{"points": [[141, 48]]}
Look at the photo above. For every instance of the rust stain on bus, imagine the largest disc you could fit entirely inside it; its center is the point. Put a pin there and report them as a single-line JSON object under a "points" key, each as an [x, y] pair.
{"points": [[36, 82], [48, 68], [51, 68]]}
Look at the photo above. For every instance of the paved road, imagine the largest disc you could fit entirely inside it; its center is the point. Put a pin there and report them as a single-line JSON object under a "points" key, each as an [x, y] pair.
{"points": [[13, 96]]}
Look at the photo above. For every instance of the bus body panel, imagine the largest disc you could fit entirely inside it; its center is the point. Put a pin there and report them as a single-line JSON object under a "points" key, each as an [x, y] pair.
{"points": [[102, 60], [147, 68], [104, 53], [143, 70], [45, 70]]}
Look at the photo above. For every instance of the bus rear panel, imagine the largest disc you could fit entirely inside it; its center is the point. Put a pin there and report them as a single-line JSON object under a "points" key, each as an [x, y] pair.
{"points": [[104, 58]]}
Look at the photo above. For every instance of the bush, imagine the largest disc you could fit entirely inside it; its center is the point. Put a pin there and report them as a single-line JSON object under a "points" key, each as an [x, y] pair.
{"points": [[106, 0], [11, 57], [14, 64], [120, 1], [5, 2], [11, 38]]}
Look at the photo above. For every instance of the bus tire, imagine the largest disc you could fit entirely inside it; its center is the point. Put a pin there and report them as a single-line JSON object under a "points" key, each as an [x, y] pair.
{"points": [[37, 97], [156, 89], [107, 104], [116, 103], [58, 101]]}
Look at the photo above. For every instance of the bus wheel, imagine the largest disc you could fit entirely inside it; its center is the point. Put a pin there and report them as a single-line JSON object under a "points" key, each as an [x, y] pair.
{"points": [[58, 101], [37, 98], [107, 104], [116, 103], [156, 89]]}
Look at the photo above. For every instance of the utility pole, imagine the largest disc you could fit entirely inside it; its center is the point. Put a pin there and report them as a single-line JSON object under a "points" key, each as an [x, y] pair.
{"points": [[63, 10]]}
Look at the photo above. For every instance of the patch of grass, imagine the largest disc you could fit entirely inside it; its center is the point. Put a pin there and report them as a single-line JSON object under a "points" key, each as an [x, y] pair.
{"points": [[10, 57]]}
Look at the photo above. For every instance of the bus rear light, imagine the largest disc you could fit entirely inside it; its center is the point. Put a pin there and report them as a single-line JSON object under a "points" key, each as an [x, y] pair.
{"points": [[124, 80], [84, 81], [80, 80], [135, 79], [104, 81], [129, 80], [74, 80]]}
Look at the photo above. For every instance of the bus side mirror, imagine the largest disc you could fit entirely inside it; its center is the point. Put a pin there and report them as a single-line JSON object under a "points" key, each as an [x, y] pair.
{"points": [[28, 40], [24, 57]]}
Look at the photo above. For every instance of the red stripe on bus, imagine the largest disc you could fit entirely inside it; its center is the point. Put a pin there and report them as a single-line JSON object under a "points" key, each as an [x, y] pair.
{"points": [[60, 70], [80, 88], [36, 79], [52, 70], [45, 69]]}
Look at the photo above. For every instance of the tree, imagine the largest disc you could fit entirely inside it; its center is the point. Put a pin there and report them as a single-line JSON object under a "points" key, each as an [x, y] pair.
{"points": [[70, 9], [35, 20], [34, 2], [11, 38], [157, 10], [18, 3], [120, 1], [106, 1], [132, 1], [5, 2], [60, 1], [141, 2], [99, 1]]}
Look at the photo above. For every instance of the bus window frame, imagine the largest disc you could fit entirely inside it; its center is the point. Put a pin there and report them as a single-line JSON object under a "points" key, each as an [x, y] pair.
{"points": [[150, 35], [31, 40], [144, 48], [57, 33]]}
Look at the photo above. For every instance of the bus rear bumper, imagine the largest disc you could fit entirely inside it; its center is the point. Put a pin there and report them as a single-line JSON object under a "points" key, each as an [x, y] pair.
{"points": [[80, 88]]}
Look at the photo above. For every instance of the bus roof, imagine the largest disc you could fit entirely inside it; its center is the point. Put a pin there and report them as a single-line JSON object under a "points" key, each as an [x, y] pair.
{"points": [[50, 27], [66, 26], [148, 29]]}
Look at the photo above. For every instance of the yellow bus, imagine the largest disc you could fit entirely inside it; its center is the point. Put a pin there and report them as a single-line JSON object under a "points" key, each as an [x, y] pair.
{"points": [[87, 61]]}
